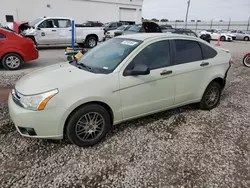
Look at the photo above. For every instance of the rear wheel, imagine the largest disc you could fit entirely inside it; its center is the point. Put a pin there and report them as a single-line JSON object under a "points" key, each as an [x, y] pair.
{"points": [[91, 42], [12, 61], [246, 61], [88, 125], [211, 96], [246, 38]]}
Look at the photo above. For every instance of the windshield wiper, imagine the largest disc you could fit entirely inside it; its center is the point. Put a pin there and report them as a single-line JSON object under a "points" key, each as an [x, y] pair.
{"points": [[85, 66]]}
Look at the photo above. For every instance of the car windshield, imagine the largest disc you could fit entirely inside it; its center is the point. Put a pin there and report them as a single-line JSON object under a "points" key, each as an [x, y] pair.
{"points": [[106, 24], [121, 27], [34, 22], [107, 56], [135, 28]]}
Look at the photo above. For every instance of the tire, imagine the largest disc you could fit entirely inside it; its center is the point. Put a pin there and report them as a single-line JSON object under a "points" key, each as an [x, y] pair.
{"points": [[12, 61], [222, 38], [80, 127], [91, 42], [246, 39], [81, 45], [216, 90], [246, 61]]}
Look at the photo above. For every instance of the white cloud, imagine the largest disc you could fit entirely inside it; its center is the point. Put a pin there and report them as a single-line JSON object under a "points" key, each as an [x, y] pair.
{"points": [[237, 10]]}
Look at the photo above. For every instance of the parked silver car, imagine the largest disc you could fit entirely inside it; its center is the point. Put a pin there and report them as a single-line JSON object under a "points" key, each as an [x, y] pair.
{"points": [[241, 35]]}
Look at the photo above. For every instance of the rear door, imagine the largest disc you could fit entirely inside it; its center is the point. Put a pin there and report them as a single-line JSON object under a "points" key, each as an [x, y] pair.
{"points": [[47, 32], [63, 31], [190, 70], [240, 35]]}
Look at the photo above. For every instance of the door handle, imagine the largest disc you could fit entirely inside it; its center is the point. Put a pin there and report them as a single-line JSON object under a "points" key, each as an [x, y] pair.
{"points": [[53, 30], [204, 64], [166, 72], [70, 30], [43, 34]]}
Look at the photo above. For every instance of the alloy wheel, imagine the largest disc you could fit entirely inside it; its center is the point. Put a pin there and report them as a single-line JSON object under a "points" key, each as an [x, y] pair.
{"points": [[13, 62], [212, 96], [90, 126]]}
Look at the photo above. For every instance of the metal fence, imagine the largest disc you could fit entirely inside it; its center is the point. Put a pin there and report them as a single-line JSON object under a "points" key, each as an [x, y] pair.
{"points": [[199, 26]]}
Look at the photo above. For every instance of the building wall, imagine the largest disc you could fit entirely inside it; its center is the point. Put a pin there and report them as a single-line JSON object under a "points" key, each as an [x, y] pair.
{"points": [[80, 10]]}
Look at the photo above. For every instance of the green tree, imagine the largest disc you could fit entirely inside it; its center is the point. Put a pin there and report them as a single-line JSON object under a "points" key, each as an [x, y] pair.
{"points": [[164, 20], [155, 20]]}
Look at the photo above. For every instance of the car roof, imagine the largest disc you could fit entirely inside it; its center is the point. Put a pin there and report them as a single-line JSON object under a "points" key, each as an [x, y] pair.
{"points": [[146, 36]]}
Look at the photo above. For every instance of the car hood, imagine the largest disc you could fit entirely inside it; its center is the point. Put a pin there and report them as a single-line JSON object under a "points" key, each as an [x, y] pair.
{"points": [[52, 77]]}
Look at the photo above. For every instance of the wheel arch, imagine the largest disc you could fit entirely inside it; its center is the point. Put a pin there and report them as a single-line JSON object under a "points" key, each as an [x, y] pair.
{"points": [[103, 104], [92, 35], [218, 78], [11, 52]]}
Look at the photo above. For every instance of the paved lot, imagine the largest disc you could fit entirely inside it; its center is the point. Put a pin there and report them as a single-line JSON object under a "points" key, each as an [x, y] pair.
{"points": [[185, 147]]}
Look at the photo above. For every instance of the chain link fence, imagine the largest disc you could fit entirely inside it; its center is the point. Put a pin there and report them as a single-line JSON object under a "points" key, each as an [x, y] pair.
{"points": [[199, 26]]}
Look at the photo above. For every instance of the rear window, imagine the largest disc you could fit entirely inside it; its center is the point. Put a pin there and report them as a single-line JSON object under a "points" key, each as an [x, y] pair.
{"points": [[207, 51]]}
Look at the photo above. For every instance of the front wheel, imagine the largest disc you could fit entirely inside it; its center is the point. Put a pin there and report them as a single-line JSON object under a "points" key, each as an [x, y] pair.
{"points": [[88, 125], [211, 96], [246, 61], [223, 38]]}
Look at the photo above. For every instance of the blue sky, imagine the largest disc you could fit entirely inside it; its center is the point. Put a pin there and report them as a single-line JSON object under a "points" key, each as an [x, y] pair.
{"points": [[237, 10]]}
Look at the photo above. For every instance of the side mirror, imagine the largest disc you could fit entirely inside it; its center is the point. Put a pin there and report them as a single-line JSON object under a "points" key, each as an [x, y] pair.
{"points": [[140, 69], [38, 28]]}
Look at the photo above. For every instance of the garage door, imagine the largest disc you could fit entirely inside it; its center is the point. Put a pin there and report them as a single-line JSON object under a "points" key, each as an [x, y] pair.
{"points": [[127, 14]]}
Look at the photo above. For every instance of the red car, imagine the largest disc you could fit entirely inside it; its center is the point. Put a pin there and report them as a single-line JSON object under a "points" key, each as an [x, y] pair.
{"points": [[15, 49], [246, 60]]}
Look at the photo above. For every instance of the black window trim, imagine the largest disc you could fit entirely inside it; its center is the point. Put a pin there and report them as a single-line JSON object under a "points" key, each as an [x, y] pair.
{"points": [[170, 53], [174, 50], [3, 36]]}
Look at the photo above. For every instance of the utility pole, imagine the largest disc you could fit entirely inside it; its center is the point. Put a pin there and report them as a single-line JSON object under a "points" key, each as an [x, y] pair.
{"points": [[187, 13]]}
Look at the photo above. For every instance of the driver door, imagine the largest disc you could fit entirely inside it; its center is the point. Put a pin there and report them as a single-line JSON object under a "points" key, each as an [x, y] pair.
{"points": [[145, 94], [47, 32]]}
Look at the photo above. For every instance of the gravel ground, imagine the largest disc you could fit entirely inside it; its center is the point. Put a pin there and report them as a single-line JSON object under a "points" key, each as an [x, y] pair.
{"points": [[184, 147]]}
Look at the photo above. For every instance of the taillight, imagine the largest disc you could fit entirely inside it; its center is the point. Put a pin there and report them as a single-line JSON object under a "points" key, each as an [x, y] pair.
{"points": [[104, 29], [231, 61]]}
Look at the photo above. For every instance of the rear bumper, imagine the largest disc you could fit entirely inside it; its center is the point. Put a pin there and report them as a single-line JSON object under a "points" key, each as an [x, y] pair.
{"points": [[228, 77], [32, 55]]}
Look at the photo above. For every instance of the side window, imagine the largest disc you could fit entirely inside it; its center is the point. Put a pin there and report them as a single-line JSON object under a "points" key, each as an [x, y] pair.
{"points": [[112, 25], [64, 23], [119, 24], [187, 51], [207, 51], [47, 24], [156, 55], [2, 36], [241, 32], [234, 31]]}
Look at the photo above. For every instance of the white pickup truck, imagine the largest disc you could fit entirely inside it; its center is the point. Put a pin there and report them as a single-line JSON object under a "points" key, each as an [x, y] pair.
{"points": [[58, 31]]}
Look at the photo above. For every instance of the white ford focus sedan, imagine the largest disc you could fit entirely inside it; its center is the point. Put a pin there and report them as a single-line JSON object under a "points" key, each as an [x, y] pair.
{"points": [[124, 78]]}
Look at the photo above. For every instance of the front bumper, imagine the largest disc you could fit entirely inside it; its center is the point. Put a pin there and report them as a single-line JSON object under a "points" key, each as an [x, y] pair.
{"points": [[37, 124]]}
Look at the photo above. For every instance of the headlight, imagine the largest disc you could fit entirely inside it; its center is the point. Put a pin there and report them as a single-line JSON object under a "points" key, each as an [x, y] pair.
{"points": [[38, 101]]}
